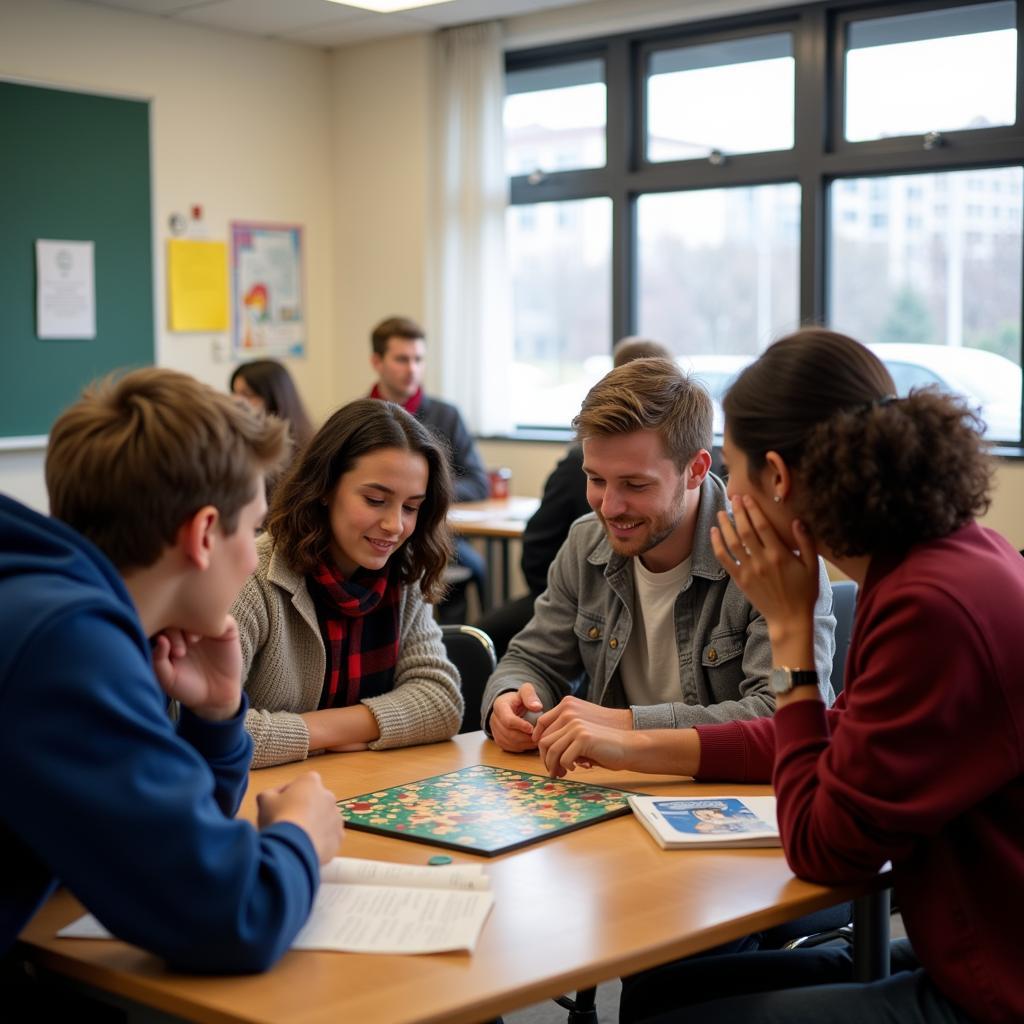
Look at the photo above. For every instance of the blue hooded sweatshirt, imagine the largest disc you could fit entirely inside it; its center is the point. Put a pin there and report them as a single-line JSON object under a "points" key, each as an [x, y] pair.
{"points": [[103, 793]]}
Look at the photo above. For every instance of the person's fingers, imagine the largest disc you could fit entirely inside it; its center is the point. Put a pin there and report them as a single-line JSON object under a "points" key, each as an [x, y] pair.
{"points": [[529, 698], [729, 537], [808, 549], [722, 553]]}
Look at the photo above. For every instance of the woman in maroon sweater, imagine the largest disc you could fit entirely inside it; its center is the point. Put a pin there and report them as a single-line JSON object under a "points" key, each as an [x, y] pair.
{"points": [[920, 761]]}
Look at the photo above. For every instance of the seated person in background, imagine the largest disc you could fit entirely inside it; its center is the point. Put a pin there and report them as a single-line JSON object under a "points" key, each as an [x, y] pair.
{"points": [[163, 479], [398, 358], [921, 762], [340, 650], [635, 597], [268, 387], [564, 500]]}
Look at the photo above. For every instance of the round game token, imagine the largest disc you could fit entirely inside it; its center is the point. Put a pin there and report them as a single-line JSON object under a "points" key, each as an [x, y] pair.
{"points": [[439, 859]]}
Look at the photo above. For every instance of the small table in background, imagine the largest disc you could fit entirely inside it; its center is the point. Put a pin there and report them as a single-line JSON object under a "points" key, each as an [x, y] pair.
{"points": [[499, 521]]}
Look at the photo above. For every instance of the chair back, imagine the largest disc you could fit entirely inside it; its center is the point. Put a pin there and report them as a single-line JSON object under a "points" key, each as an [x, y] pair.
{"points": [[471, 651], [844, 604]]}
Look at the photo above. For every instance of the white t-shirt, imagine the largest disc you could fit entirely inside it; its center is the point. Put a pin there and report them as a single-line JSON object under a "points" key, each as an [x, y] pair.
{"points": [[650, 663]]}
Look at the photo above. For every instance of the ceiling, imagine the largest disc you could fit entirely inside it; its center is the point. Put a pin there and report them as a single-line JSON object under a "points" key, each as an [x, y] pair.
{"points": [[325, 24]]}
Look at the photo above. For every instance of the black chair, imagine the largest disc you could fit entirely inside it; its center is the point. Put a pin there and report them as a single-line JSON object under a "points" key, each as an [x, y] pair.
{"points": [[470, 650]]}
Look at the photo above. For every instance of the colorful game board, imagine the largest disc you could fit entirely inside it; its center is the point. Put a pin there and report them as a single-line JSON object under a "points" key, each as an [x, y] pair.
{"points": [[483, 810]]}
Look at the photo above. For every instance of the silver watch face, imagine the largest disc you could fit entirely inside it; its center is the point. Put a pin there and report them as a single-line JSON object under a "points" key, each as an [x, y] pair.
{"points": [[780, 680]]}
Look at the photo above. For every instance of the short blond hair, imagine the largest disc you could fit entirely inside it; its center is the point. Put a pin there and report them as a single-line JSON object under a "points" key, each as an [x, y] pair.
{"points": [[137, 455], [650, 394]]}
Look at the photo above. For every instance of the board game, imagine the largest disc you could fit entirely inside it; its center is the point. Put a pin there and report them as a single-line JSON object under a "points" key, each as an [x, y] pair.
{"points": [[482, 809]]}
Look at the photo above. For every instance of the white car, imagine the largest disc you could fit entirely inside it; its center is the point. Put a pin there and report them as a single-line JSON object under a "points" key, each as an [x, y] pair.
{"points": [[990, 383]]}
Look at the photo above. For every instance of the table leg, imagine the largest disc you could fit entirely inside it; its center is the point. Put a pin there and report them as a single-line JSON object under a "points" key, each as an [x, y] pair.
{"points": [[871, 936]]}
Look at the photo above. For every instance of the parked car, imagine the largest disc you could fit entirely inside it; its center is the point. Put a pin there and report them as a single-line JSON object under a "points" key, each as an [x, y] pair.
{"points": [[991, 383]]}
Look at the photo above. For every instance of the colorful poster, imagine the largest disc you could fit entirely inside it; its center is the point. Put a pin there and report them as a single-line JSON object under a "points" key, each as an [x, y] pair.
{"points": [[269, 310]]}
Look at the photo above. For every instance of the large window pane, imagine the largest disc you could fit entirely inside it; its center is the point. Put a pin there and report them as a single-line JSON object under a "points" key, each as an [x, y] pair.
{"points": [[555, 118], [718, 275], [927, 269], [935, 71], [733, 97], [560, 260]]}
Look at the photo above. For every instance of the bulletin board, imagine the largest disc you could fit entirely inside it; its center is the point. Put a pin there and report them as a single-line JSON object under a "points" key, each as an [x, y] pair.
{"points": [[73, 166]]}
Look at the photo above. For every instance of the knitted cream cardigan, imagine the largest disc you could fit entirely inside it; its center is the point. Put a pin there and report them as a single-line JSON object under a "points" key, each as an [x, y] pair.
{"points": [[284, 662]]}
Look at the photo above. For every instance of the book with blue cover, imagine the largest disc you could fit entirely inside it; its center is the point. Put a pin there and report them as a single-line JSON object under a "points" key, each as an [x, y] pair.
{"points": [[708, 822]]}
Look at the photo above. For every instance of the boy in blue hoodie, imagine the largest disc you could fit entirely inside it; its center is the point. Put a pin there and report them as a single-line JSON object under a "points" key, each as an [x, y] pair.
{"points": [[117, 603]]}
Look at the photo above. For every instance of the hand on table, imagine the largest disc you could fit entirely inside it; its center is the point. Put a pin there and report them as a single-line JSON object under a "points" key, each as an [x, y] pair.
{"points": [[307, 803], [573, 709], [578, 743], [204, 673]]}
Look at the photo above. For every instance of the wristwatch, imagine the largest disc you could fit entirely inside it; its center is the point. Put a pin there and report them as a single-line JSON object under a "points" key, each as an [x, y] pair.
{"points": [[782, 680]]}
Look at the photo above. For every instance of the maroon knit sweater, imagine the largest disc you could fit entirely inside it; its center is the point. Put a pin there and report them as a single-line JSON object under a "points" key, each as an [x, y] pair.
{"points": [[920, 762]]}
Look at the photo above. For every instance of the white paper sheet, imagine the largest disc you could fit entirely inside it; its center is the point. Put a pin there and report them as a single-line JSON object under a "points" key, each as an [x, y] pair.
{"points": [[65, 289]]}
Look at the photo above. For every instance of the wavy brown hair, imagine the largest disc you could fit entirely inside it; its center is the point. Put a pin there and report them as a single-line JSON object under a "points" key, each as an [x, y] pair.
{"points": [[878, 473], [649, 394], [298, 519]]}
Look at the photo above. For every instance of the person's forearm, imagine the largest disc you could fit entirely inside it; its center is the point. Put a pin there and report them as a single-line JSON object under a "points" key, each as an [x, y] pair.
{"points": [[339, 727], [664, 751]]}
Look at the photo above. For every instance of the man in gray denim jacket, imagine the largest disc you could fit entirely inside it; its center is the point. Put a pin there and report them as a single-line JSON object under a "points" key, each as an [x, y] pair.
{"points": [[637, 606]]}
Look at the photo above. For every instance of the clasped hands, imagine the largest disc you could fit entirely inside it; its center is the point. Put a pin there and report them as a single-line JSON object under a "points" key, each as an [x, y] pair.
{"points": [[574, 733]]}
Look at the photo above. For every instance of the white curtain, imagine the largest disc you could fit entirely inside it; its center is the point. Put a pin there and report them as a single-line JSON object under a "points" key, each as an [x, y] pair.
{"points": [[471, 286]]}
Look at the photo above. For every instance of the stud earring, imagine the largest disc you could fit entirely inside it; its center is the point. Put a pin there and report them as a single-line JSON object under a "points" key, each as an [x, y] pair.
{"points": [[777, 498]]}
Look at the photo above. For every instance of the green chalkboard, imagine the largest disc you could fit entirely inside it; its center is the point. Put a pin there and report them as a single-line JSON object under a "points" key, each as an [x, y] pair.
{"points": [[73, 166]]}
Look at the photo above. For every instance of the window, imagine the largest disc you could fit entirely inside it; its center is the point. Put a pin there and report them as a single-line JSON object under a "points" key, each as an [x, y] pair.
{"points": [[728, 97], [937, 70], [555, 118], [560, 259], [861, 167], [945, 300], [719, 269]]}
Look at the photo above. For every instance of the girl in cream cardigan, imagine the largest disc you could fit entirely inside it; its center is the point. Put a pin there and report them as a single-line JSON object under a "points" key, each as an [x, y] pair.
{"points": [[340, 650]]}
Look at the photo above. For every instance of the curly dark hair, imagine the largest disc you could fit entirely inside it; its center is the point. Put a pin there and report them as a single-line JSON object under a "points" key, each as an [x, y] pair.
{"points": [[298, 518], [879, 473]]}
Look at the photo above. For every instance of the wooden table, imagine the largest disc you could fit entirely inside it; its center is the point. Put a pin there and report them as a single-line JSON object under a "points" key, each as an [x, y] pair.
{"points": [[569, 912], [498, 521]]}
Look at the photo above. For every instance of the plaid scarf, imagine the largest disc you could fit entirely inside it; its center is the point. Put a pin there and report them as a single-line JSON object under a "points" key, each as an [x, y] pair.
{"points": [[359, 625]]}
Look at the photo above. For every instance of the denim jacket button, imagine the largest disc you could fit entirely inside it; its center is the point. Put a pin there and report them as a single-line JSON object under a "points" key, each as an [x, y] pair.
{"points": [[593, 632], [712, 655], [613, 643]]}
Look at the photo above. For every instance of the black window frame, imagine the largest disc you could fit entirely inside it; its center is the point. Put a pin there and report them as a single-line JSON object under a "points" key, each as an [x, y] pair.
{"points": [[820, 154]]}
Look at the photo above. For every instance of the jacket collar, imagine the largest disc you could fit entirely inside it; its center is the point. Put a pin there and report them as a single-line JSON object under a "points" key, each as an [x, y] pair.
{"points": [[279, 572], [703, 562]]}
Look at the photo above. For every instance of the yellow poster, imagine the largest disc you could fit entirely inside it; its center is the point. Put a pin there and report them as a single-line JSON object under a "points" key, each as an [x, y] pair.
{"points": [[197, 279]]}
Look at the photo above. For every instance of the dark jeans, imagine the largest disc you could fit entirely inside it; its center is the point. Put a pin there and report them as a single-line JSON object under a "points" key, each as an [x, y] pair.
{"points": [[777, 986]]}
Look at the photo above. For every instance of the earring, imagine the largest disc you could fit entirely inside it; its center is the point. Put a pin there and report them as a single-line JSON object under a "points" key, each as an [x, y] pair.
{"points": [[777, 498]]}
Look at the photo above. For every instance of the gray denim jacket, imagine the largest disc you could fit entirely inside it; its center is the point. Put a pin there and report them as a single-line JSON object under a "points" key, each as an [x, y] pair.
{"points": [[582, 622]]}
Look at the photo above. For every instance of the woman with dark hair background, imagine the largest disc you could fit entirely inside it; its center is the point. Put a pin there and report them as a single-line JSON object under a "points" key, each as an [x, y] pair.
{"points": [[268, 386], [920, 761], [340, 650]]}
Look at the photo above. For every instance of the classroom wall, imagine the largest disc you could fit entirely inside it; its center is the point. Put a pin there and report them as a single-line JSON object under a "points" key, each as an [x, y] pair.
{"points": [[339, 142], [240, 125], [382, 102]]}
